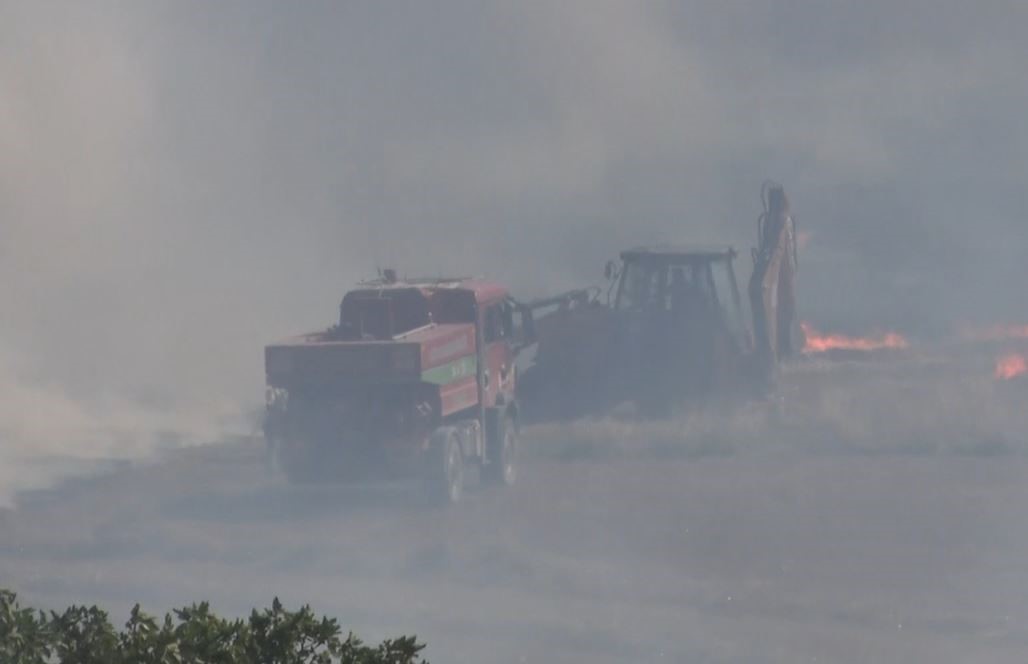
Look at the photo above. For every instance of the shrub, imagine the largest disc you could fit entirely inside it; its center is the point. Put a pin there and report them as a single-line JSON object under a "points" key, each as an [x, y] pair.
{"points": [[191, 635]]}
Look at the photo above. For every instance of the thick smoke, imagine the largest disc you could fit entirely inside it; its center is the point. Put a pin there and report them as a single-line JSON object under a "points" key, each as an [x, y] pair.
{"points": [[181, 183]]}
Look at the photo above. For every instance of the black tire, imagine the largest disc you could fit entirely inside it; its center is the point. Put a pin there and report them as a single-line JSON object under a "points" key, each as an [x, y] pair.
{"points": [[446, 471], [502, 469]]}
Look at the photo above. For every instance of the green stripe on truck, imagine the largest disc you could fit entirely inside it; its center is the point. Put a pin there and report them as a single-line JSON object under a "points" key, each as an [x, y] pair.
{"points": [[447, 373]]}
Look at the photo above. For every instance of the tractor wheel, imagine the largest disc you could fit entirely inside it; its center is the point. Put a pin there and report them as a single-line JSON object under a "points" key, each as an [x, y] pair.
{"points": [[446, 474], [503, 455]]}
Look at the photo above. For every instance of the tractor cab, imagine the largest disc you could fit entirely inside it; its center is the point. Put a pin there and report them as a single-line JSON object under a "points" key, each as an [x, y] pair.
{"points": [[672, 329], [666, 290], [678, 322]]}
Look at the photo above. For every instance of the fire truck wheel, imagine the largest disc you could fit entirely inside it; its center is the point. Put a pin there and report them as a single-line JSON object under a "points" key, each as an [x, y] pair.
{"points": [[503, 455], [446, 479]]}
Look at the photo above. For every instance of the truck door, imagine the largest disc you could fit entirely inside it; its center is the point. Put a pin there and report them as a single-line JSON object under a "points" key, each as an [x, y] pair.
{"points": [[498, 332]]}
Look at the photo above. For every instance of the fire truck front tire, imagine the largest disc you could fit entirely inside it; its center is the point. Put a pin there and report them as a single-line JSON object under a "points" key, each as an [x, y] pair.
{"points": [[446, 467], [502, 468]]}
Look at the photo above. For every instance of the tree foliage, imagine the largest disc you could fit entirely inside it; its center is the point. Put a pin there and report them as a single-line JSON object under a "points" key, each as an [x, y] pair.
{"points": [[191, 635]]}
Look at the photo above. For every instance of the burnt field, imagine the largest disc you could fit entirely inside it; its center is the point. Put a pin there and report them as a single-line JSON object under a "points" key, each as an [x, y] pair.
{"points": [[873, 512]]}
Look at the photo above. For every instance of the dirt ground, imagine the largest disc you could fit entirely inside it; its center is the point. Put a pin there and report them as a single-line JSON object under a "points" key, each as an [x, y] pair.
{"points": [[721, 553]]}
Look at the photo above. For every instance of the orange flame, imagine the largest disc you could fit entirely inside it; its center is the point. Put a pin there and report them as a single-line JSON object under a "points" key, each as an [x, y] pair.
{"points": [[1011, 366], [819, 343]]}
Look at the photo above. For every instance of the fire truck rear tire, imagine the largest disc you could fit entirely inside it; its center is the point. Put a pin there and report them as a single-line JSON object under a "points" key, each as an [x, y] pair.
{"points": [[446, 469]]}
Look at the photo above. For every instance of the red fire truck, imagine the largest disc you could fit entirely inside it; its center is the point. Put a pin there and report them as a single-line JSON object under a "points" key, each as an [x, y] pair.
{"points": [[417, 379]]}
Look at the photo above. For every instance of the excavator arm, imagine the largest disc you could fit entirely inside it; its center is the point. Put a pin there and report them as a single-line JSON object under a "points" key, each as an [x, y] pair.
{"points": [[772, 286]]}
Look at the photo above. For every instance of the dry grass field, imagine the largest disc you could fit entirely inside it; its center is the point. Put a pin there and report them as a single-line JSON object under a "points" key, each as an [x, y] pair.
{"points": [[875, 512]]}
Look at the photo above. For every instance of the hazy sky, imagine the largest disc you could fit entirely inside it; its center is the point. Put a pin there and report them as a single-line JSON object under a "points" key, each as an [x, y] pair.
{"points": [[182, 182]]}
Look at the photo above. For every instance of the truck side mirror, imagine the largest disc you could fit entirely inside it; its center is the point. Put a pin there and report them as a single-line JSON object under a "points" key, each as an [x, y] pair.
{"points": [[611, 274], [610, 271], [527, 327], [508, 321]]}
